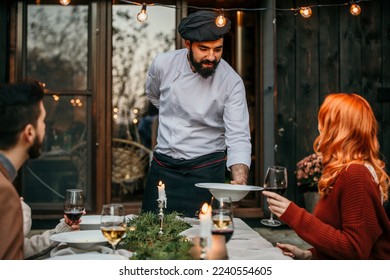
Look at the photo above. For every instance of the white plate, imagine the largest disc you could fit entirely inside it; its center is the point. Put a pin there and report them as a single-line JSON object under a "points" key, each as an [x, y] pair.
{"points": [[236, 192], [92, 222], [83, 239], [191, 232], [89, 256], [89, 222]]}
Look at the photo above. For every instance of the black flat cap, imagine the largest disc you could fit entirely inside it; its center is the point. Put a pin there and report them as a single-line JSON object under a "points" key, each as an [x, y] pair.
{"points": [[200, 26]]}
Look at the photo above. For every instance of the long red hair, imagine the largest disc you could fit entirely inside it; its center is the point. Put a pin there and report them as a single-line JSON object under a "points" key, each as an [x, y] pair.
{"points": [[348, 134]]}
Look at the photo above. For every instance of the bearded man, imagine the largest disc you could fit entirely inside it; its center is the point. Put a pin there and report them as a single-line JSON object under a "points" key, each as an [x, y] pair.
{"points": [[203, 118], [22, 130]]}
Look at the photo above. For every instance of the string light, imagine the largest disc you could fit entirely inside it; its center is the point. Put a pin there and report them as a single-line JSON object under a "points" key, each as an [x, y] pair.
{"points": [[305, 12], [64, 2], [142, 16], [220, 21], [355, 9]]}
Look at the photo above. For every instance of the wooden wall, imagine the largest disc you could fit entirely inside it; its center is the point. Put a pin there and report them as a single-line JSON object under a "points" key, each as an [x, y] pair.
{"points": [[3, 41], [332, 51]]}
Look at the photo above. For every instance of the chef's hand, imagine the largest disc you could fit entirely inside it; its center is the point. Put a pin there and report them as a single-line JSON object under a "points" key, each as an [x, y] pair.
{"points": [[239, 174]]}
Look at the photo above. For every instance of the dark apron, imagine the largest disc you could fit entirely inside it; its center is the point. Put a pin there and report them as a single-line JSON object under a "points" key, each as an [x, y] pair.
{"points": [[180, 177]]}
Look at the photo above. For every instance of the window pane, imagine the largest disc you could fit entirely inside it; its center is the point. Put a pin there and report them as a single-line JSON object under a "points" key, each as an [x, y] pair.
{"points": [[63, 163], [135, 44], [57, 45]]}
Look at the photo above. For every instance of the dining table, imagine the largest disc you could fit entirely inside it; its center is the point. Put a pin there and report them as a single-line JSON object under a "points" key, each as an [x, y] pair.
{"points": [[245, 244]]}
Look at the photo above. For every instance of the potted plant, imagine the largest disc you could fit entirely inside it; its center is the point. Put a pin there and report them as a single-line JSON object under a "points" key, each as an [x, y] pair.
{"points": [[309, 171]]}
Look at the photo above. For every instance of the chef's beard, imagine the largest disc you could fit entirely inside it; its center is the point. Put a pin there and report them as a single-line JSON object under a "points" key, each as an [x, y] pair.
{"points": [[36, 149], [204, 72]]}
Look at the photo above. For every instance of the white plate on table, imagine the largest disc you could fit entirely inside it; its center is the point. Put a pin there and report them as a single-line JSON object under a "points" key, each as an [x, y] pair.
{"points": [[92, 222], [81, 239], [236, 192]]}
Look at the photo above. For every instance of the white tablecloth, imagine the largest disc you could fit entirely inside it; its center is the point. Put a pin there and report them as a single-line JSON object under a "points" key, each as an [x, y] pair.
{"points": [[245, 244]]}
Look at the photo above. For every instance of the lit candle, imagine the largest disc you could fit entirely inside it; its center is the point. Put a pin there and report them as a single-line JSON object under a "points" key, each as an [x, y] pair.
{"points": [[161, 193], [205, 221]]}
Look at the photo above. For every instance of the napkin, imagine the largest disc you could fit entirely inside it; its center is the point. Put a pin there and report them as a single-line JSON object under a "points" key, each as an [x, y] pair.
{"points": [[63, 249]]}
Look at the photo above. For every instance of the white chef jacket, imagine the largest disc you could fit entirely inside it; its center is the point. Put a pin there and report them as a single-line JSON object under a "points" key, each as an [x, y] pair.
{"points": [[199, 116]]}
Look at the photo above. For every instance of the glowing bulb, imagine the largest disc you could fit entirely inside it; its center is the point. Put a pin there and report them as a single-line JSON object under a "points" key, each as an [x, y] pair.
{"points": [[355, 10], [220, 21], [305, 12], [64, 2], [142, 15]]}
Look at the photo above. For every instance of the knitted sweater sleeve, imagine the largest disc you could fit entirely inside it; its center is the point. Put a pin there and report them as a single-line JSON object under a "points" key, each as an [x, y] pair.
{"points": [[344, 225], [39, 243]]}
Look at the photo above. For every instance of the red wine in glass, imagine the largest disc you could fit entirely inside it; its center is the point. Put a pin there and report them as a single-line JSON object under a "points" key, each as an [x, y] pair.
{"points": [[74, 214], [275, 181], [279, 191], [228, 233], [74, 204]]}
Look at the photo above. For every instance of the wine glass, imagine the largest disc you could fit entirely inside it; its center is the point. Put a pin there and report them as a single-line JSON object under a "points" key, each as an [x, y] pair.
{"points": [[74, 204], [112, 223], [222, 217], [275, 181]]}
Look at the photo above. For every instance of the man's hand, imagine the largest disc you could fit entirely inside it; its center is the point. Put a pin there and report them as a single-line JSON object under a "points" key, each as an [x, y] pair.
{"points": [[74, 225], [239, 174]]}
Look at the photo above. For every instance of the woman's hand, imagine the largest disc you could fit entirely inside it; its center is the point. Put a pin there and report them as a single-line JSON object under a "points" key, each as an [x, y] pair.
{"points": [[294, 252], [276, 203]]}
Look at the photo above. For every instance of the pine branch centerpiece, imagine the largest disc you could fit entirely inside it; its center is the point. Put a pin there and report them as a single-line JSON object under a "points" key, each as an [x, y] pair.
{"points": [[143, 238]]}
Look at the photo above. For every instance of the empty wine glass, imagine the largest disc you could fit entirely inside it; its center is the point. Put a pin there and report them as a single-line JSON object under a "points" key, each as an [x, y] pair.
{"points": [[74, 204], [222, 217], [275, 181], [112, 223]]}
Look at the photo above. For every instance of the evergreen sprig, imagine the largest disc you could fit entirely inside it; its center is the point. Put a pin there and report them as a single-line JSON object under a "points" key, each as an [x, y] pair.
{"points": [[143, 239]]}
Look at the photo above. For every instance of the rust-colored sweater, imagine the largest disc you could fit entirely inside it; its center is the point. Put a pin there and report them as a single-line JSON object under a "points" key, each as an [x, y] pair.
{"points": [[350, 223]]}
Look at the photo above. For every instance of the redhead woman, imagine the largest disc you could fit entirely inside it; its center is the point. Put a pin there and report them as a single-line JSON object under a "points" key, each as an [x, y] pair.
{"points": [[349, 221]]}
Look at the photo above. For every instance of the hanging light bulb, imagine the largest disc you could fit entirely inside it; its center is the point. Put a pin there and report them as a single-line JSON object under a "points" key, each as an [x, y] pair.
{"points": [[220, 21], [355, 10], [305, 12], [64, 2], [142, 15]]}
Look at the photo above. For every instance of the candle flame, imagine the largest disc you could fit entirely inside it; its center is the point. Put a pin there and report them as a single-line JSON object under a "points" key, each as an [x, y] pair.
{"points": [[205, 207]]}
